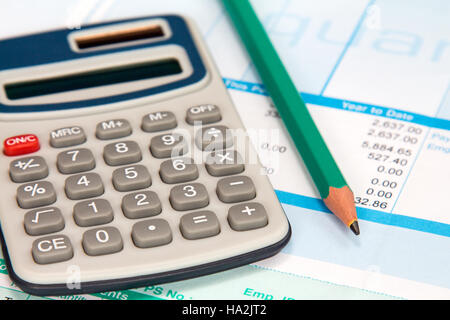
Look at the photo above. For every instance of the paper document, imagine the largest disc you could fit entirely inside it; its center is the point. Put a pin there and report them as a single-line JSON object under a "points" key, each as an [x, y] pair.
{"points": [[376, 78]]}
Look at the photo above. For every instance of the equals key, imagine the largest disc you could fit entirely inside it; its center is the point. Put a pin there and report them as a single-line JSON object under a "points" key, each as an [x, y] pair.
{"points": [[236, 189]]}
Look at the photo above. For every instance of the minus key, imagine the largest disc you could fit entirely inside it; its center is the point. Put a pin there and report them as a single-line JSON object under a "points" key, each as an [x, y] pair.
{"points": [[236, 189]]}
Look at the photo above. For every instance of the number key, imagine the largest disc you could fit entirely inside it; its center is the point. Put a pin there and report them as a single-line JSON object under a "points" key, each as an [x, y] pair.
{"points": [[141, 205], [131, 178], [101, 241], [75, 161], [178, 170], [122, 153], [84, 186], [189, 197], [92, 213], [168, 145]]}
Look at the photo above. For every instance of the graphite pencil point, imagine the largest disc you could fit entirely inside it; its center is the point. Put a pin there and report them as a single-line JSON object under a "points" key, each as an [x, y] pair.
{"points": [[355, 227]]}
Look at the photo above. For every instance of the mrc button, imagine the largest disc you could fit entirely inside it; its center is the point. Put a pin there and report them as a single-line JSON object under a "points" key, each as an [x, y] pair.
{"points": [[19, 145], [67, 137]]}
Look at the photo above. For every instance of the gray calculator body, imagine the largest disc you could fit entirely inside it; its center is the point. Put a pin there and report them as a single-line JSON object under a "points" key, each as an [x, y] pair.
{"points": [[103, 102]]}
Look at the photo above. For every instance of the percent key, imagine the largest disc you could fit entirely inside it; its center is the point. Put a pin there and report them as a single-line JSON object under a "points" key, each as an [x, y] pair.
{"points": [[36, 194]]}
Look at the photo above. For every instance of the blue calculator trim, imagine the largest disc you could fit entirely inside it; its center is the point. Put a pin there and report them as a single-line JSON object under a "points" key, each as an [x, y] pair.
{"points": [[53, 46]]}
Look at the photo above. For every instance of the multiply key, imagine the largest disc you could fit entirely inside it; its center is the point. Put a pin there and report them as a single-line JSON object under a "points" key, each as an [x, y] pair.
{"points": [[224, 162]]}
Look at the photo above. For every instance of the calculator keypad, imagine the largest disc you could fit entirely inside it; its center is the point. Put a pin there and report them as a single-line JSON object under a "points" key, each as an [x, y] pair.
{"points": [[129, 176]]}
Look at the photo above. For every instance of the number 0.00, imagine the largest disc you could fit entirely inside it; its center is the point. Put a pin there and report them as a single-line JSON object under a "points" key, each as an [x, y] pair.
{"points": [[391, 171]]}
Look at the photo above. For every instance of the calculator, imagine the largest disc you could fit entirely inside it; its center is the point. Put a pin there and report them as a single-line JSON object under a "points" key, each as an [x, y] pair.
{"points": [[125, 162]]}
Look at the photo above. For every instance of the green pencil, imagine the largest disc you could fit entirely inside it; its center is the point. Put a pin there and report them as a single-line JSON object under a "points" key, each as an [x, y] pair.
{"points": [[324, 171]]}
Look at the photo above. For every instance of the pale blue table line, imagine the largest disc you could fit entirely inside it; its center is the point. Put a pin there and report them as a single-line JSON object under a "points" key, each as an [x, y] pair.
{"points": [[411, 168], [335, 103], [347, 45], [380, 217], [441, 105], [445, 101]]}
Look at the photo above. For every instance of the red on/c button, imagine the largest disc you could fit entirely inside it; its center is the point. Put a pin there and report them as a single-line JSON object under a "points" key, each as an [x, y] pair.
{"points": [[23, 144]]}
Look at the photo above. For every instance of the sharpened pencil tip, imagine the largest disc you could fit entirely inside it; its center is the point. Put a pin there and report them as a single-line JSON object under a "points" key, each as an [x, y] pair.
{"points": [[355, 227]]}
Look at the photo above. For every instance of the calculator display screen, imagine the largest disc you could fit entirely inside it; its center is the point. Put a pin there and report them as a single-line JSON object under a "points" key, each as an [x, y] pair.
{"points": [[92, 79]]}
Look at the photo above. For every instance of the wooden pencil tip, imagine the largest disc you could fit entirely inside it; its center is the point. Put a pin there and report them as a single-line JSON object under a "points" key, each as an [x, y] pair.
{"points": [[341, 202], [355, 227]]}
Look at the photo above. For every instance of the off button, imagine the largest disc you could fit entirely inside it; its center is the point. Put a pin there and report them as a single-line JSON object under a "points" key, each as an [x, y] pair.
{"points": [[20, 145]]}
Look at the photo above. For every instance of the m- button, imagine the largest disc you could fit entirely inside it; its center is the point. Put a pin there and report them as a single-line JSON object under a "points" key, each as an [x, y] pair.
{"points": [[67, 137]]}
